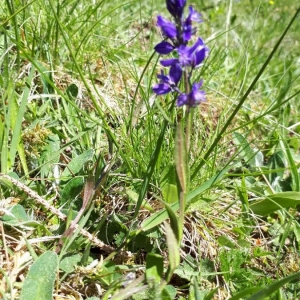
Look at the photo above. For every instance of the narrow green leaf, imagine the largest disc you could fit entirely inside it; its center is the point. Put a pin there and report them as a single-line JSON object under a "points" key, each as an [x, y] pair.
{"points": [[206, 185], [174, 256], [244, 293], [267, 291], [175, 223], [19, 119], [39, 282], [292, 165], [157, 218], [274, 202]]}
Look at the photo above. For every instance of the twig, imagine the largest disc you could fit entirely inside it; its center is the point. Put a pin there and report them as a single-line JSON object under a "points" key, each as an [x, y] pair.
{"points": [[56, 212]]}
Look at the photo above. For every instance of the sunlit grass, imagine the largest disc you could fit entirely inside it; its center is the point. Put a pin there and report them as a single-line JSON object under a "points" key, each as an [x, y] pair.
{"points": [[77, 110]]}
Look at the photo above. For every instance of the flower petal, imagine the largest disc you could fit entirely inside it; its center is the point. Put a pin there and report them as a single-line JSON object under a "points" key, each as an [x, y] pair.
{"points": [[168, 28], [168, 62], [182, 100], [161, 89], [199, 57], [164, 48], [175, 73]]}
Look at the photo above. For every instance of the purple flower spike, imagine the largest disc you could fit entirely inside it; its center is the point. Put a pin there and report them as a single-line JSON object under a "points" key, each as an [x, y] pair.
{"points": [[168, 28], [176, 7], [194, 98], [168, 83], [164, 48]]}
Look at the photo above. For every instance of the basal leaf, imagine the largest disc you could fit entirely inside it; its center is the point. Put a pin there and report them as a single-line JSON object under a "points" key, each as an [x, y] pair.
{"points": [[274, 202], [39, 282]]}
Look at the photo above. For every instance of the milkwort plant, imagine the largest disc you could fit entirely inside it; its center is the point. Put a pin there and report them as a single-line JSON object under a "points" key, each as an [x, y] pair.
{"points": [[185, 55]]}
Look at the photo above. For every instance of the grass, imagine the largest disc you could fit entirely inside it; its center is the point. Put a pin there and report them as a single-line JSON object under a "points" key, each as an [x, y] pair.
{"points": [[89, 180]]}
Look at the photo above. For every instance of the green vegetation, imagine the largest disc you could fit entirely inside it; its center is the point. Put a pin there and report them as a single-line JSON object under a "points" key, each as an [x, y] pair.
{"points": [[94, 167]]}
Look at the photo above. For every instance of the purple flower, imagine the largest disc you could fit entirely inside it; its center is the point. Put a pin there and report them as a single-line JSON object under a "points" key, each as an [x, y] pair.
{"points": [[188, 56], [164, 48], [176, 7], [194, 98], [188, 30], [168, 28], [169, 82]]}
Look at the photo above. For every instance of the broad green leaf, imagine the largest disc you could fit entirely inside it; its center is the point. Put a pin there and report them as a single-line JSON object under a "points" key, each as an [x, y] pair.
{"points": [[72, 189], [18, 217], [168, 293], [39, 282], [76, 164], [154, 268], [170, 193], [72, 91], [69, 263], [274, 202]]}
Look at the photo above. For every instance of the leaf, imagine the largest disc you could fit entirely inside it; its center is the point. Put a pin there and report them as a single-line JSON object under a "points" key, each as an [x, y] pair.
{"points": [[245, 150], [72, 189], [274, 202], [162, 215], [154, 268], [267, 291], [18, 217], [76, 164], [134, 197], [206, 185], [157, 218], [175, 223], [39, 282], [69, 263], [170, 193], [72, 91], [19, 118], [225, 241], [50, 155], [174, 256], [168, 293]]}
